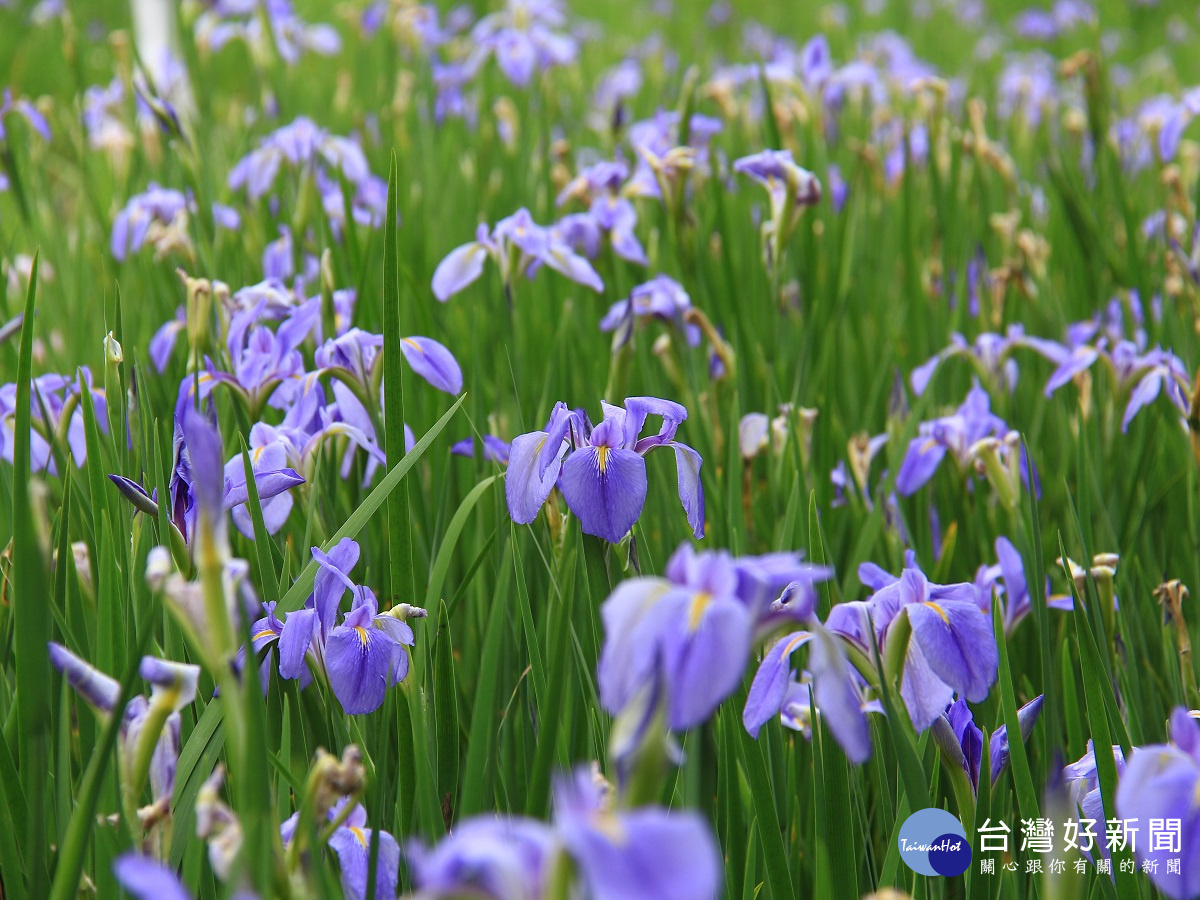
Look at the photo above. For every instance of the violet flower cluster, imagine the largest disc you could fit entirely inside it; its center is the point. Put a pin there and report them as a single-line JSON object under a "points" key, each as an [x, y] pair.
{"points": [[678, 645], [934, 640], [323, 157], [518, 246]]}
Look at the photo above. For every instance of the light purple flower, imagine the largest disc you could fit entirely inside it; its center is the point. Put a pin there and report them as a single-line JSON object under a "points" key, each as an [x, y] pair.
{"points": [[686, 637], [1162, 781], [640, 854], [303, 146], [660, 298], [501, 858], [603, 476], [955, 434], [518, 246]]}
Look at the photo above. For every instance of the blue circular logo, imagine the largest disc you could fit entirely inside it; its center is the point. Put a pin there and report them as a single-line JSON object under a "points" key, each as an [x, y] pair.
{"points": [[933, 842]]}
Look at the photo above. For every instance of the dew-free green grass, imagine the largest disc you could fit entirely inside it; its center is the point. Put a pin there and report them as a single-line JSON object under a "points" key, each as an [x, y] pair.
{"points": [[957, 200]]}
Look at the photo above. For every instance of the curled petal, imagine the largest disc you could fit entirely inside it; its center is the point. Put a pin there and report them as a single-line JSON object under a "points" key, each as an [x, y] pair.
{"points": [[433, 362]]}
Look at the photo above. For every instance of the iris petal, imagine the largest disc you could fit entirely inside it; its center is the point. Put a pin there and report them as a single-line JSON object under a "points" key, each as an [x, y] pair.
{"points": [[525, 489], [606, 488]]}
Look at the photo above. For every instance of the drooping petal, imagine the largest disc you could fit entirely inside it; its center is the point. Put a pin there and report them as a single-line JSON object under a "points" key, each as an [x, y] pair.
{"points": [[1080, 360], [770, 685], [648, 854], [525, 489], [704, 654], [433, 362], [563, 259], [462, 266], [361, 667], [299, 630], [630, 654], [924, 694], [1145, 393], [606, 489], [921, 460], [958, 644], [352, 844], [691, 491], [837, 698]]}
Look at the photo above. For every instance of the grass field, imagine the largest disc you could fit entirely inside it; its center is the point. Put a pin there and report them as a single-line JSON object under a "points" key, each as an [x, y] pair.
{"points": [[911, 292]]}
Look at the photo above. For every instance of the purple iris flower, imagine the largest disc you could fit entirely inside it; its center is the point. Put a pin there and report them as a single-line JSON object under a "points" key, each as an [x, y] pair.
{"points": [[990, 353], [619, 83], [355, 352], [1028, 87], [262, 359], [157, 206], [449, 81], [950, 645], [148, 879], [22, 107], [657, 137], [686, 637], [1084, 784], [1144, 375], [954, 434], [362, 656], [518, 246], [523, 40], [351, 841], [660, 298], [501, 858], [301, 145], [641, 853], [172, 684], [603, 474], [1162, 781], [103, 107], [784, 180]]}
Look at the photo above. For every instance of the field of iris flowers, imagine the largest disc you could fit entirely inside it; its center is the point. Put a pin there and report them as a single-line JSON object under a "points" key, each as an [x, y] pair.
{"points": [[628, 450]]}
